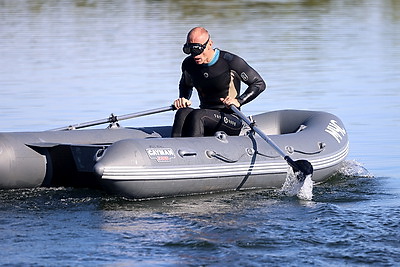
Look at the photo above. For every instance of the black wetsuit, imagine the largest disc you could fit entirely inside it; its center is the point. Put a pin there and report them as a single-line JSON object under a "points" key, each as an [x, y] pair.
{"points": [[217, 79]]}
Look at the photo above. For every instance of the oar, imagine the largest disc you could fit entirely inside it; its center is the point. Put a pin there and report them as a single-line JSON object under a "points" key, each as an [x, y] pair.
{"points": [[302, 167], [113, 118]]}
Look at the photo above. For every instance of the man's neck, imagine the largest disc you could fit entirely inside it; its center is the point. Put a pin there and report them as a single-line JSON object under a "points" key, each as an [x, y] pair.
{"points": [[214, 57]]}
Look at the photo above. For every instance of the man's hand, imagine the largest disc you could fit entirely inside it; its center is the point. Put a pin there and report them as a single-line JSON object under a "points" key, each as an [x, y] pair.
{"points": [[230, 101], [182, 103]]}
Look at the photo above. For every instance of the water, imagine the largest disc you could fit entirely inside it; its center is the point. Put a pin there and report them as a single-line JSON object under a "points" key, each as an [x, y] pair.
{"points": [[65, 62]]}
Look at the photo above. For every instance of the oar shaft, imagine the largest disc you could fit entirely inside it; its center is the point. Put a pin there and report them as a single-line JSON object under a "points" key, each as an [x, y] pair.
{"points": [[144, 113], [303, 166], [258, 131], [113, 118]]}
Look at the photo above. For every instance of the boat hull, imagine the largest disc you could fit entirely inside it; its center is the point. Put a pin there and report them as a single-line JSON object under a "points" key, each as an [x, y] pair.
{"points": [[147, 163], [160, 167], [57, 158]]}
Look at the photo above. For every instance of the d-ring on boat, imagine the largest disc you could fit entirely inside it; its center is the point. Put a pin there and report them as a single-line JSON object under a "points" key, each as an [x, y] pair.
{"points": [[147, 163]]}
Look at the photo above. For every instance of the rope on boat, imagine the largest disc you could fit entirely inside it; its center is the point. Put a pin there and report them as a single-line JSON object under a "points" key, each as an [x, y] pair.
{"points": [[267, 156], [213, 154], [289, 149]]}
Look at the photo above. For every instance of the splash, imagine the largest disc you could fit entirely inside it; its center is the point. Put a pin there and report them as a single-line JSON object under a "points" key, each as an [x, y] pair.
{"points": [[293, 187], [353, 168]]}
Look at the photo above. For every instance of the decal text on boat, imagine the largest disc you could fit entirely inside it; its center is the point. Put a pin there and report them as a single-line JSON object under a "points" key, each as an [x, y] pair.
{"points": [[335, 130], [161, 154]]}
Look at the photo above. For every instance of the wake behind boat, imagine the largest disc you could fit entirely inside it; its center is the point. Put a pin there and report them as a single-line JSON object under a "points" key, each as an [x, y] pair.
{"points": [[147, 163]]}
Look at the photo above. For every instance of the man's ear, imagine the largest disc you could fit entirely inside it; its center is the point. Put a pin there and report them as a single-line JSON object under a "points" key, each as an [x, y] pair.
{"points": [[211, 44]]}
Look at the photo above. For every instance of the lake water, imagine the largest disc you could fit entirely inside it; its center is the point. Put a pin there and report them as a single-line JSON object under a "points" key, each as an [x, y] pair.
{"points": [[64, 62]]}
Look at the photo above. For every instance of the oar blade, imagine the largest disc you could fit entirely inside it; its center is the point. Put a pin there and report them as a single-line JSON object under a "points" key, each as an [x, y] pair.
{"points": [[303, 168]]}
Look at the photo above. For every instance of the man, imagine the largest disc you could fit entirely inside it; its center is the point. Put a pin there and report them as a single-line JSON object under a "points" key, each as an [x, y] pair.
{"points": [[216, 75]]}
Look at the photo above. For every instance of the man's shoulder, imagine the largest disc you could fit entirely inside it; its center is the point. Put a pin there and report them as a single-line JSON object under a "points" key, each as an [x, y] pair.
{"points": [[188, 62], [228, 56]]}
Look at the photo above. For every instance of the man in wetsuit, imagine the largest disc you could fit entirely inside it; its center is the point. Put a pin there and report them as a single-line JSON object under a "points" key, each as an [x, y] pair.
{"points": [[216, 75]]}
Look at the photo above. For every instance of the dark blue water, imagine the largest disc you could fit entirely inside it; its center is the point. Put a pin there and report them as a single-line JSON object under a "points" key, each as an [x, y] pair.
{"points": [[350, 221], [65, 62]]}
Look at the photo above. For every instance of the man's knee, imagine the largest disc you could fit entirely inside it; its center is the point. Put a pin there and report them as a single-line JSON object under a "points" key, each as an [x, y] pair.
{"points": [[182, 113], [197, 114]]}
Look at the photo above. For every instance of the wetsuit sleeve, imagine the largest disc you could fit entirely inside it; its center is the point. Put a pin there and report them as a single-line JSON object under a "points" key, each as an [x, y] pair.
{"points": [[249, 76], [185, 84]]}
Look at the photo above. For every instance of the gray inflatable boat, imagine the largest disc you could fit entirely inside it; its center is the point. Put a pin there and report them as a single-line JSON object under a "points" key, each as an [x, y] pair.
{"points": [[147, 163]]}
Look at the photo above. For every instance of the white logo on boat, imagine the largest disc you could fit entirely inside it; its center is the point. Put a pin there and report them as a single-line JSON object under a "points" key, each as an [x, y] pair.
{"points": [[335, 130], [161, 154]]}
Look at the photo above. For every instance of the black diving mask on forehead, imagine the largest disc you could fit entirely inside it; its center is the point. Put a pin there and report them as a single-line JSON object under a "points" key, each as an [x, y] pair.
{"points": [[195, 49]]}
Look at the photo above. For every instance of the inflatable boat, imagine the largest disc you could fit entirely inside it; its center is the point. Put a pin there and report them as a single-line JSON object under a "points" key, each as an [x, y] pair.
{"points": [[147, 163]]}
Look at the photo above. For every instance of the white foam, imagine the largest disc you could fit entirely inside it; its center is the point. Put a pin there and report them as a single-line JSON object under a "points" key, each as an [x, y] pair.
{"points": [[293, 187], [354, 169]]}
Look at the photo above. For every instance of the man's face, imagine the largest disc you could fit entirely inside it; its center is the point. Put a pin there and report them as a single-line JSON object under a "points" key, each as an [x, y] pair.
{"points": [[198, 41]]}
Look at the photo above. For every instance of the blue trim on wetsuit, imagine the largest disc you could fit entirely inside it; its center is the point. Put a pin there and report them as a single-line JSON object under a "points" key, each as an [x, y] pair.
{"points": [[215, 58]]}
